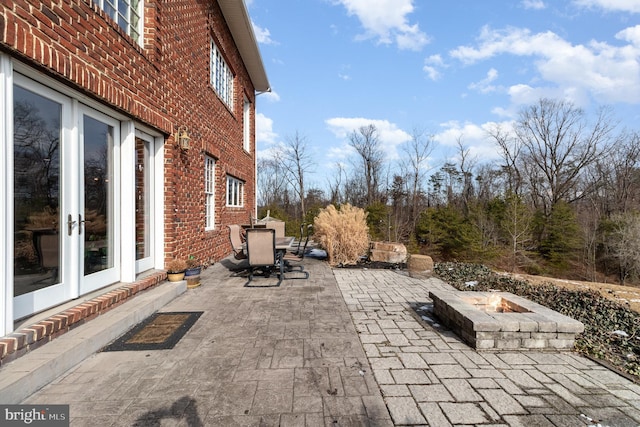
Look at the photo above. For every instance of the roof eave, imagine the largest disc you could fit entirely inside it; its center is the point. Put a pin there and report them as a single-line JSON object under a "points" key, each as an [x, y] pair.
{"points": [[237, 18]]}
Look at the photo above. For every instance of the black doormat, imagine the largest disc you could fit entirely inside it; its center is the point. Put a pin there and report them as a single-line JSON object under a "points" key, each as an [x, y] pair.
{"points": [[160, 331]]}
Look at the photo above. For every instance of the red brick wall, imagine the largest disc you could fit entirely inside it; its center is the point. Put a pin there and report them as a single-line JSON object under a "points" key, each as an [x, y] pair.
{"points": [[164, 84]]}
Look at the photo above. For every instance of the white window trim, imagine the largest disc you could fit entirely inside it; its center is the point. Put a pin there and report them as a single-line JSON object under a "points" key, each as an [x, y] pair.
{"points": [[210, 192], [235, 197], [246, 125], [220, 75]]}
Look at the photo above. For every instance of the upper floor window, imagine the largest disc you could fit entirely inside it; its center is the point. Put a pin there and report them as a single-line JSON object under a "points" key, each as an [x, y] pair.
{"points": [[127, 13], [209, 192], [235, 192], [246, 125], [221, 77]]}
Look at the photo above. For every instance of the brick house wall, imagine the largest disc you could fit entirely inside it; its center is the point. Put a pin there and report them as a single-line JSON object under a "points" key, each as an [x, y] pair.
{"points": [[163, 84]]}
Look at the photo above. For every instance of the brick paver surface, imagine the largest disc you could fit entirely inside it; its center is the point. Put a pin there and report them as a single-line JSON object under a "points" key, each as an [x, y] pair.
{"points": [[428, 368], [343, 348]]}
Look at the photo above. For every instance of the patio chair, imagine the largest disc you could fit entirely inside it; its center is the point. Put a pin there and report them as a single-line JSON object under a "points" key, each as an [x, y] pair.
{"points": [[236, 241], [303, 227], [278, 226], [293, 260], [262, 254]]}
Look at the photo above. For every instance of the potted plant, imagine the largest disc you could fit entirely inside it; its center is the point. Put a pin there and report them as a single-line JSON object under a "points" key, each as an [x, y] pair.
{"points": [[193, 266], [192, 274], [176, 269]]}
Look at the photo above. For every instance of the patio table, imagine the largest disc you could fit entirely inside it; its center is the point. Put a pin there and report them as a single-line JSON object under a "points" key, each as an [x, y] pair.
{"points": [[284, 243]]}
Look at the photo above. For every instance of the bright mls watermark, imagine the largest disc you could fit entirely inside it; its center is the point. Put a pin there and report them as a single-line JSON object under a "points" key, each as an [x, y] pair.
{"points": [[34, 415]]}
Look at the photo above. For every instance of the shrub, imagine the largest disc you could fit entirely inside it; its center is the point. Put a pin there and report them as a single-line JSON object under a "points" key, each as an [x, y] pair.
{"points": [[342, 233]]}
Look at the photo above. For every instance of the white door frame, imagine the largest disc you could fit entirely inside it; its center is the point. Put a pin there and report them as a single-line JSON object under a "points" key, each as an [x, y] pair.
{"points": [[123, 152]]}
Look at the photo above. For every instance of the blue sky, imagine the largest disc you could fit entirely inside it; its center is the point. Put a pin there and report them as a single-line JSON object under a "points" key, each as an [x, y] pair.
{"points": [[448, 68]]}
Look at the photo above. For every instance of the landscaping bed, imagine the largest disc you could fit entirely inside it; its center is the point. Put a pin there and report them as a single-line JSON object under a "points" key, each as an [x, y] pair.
{"points": [[612, 330]]}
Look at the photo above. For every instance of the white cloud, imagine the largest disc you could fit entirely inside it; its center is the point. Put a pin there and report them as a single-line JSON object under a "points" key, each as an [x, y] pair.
{"points": [[431, 65], [632, 6], [473, 137], [631, 35], [271, 96], [608, 73], [533, 4], [340, 154], [390, 135], [263, 35], [484, 85], [264, 130], [386, 20], [344, 74]]}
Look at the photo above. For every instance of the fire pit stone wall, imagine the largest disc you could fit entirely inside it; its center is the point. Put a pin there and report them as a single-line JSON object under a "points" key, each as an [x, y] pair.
{"points": [[516, 324]]}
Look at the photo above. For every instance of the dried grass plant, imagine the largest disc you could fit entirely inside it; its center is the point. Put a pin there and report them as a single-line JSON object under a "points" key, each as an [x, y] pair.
{"points": [[342, 233], [176, 265]]}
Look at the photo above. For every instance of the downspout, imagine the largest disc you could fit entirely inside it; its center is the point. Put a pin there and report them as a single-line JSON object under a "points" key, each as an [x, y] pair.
{"points": [[255, 154]]}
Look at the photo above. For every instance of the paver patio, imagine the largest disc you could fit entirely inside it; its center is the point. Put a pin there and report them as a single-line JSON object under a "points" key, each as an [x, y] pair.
{"points": [[342, 348]]}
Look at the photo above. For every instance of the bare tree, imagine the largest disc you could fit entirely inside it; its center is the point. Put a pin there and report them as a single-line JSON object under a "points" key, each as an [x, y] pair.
{"points": [[297, 163], [557, 147], [367, 144], [335, 185], [467, 163], [510, 149], [625, 245], [620, 174], [271, 180], [516, 223], [415, 167]]}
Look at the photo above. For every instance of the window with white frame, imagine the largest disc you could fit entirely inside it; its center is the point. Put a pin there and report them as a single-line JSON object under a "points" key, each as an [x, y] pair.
{"points": [[127, 13], [221, 77], [209, 192], [235, 192], [246, 125]]}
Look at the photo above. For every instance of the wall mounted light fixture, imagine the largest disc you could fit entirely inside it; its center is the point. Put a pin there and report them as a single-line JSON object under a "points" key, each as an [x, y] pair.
{"points": [[182, 138]]}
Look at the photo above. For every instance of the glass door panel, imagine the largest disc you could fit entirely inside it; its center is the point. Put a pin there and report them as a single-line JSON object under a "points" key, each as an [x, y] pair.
{"points": [[97, 222], [143, 199], [36, 148]]}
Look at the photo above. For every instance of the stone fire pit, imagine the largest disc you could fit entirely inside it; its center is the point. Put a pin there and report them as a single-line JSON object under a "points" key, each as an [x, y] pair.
{"points": [[501, 320]]}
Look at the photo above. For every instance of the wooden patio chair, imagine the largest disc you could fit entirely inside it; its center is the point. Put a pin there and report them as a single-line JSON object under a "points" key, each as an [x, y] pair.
{"points": [[262, 254]]}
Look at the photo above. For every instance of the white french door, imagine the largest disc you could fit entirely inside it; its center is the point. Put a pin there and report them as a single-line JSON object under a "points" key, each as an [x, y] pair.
{"points": [[98, 220], [66, 175]]}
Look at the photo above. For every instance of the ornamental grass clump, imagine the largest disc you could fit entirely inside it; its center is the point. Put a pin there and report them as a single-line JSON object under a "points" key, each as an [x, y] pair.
{"points": [[342, 233]]}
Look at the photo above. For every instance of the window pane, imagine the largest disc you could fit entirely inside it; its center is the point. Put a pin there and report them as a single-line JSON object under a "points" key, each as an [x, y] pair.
{"points": [[209, 185], [36, 146], [143, 199], [126, 13], [98, 195], [221, 78]]}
